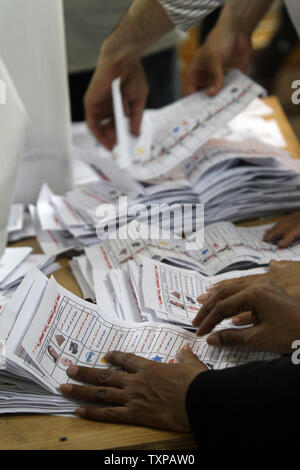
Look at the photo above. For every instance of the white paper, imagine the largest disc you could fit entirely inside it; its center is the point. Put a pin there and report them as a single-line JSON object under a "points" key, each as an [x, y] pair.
{"points": [[13, 128], [11, 259]]}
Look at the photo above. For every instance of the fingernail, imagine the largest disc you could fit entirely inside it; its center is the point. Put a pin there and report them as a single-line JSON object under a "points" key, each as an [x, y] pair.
{"points": [[66, 388], [107, 356], [214, 340], [72, 371], [186, 348], [81, 412]]}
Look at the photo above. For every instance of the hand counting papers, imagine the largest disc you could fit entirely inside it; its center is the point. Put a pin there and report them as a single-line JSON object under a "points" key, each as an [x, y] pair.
{"points": [[172, 134], [173, 292], [47, 329]]}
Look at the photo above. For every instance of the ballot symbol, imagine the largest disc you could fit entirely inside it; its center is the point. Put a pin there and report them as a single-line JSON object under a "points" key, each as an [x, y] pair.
{"points": [[157, 358]]}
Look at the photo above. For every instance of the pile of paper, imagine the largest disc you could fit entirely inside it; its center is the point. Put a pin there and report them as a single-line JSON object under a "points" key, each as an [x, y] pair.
{"points": [[20, 225], [47, 329], [16, 263], [110, 271], [198, 152]]}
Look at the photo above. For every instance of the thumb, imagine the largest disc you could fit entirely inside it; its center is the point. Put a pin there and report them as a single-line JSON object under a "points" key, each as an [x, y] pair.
{"points": [[216, 74], [276, 265], [231, 337], [187, 356]]}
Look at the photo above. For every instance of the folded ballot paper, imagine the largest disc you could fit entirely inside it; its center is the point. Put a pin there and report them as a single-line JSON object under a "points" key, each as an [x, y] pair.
{"points": [[47, 329]]}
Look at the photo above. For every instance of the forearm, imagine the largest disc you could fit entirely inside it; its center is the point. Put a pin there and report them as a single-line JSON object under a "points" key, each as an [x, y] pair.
{"points": [[244, 15], [241, 406], [144, 23]]}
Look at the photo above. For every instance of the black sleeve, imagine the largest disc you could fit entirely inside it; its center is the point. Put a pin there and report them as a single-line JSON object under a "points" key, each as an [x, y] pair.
{"points": [[247, 407]]}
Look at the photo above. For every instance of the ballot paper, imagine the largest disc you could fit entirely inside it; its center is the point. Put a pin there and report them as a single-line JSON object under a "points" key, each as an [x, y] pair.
{"points": [[46, 213], [16, 218], [172, 134], [65, 330], [247, 126], [42, 262], [228, 247], [52, 242], [27, 230], [82, 271], [11, 259], [122, 126], [173, 292], [113, 254], [46, 329]]}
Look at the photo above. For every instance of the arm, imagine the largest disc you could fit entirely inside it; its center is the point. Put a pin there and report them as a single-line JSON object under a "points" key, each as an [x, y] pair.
{"points": [[227, 46], [254, 406], [144, 23]]}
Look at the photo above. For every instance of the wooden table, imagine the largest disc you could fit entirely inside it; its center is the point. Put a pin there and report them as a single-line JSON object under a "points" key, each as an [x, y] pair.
{"points": [[50, 432]]}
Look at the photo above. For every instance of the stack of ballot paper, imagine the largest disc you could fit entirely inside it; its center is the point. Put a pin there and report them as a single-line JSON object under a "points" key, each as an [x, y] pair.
{"points": [[194, 152], [20, 224], [47, 329], [17, 262], [105, 271]]}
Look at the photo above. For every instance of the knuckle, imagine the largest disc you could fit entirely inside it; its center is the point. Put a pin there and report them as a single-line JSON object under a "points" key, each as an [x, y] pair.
{"points": [[127, 359], [228, 337], [256, 290], [101, 394], [104, 376], [109, 413]]}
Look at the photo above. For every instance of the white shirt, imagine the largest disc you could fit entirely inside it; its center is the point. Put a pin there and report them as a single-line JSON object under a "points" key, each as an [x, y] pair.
{"points": [[89, 22], [186, 13]]}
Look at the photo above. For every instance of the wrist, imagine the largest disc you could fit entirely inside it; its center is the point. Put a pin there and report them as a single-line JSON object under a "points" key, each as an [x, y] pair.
{"points": [[232, 24], [117, 57]]}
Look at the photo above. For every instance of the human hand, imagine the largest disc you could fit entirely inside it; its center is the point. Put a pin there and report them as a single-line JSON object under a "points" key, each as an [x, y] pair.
{"points": [[98, 98], [287, 230], [274, 316], [224, 49], [285, 274], [148, 394]]}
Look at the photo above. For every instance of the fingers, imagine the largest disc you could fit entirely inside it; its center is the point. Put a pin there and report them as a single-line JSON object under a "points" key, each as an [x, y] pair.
{"points": [[105, 132], [206, 71], [275, 232], [107, 415], [113, 396], [245, 318], [187, 356], [231, 337], [276, 265], [127, 361], [215, 70], [242, 302], [93, 376], [216, 296], [289, 237]]}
